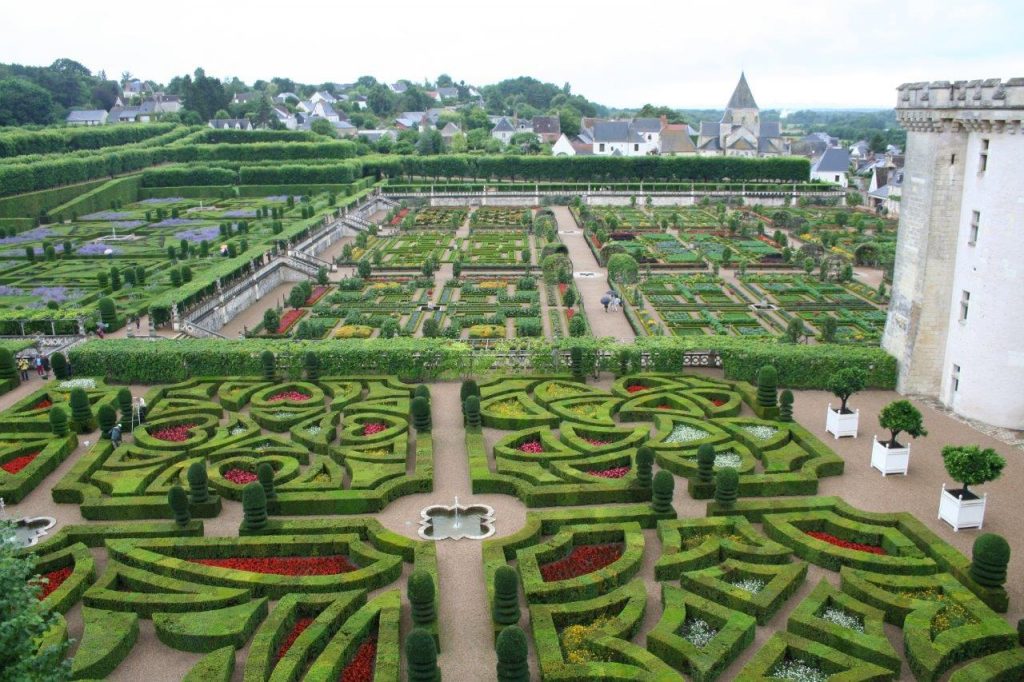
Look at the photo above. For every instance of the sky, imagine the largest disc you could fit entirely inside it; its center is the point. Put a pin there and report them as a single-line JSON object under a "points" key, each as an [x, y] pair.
{"points": [[796, 54]]}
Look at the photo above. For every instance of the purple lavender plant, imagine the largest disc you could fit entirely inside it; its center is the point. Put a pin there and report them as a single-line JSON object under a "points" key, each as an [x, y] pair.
{"points": [[176, 222], [107, 215], [27, 236], [239, 213], [161, 200], [207, 233], [58, 294], [8, 290], [97, 249]]}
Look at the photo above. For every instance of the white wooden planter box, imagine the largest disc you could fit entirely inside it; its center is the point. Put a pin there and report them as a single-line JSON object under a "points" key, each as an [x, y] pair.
{"points": [[839, 424], [889, 460], [961, 513]]}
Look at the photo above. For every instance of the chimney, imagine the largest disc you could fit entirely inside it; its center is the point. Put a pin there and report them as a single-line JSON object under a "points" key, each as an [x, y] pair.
{"points": [[664, 120]]}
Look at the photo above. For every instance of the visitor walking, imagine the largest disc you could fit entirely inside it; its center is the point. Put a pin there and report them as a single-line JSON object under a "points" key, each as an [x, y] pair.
{"points": [[115, 436], [142, 410], [46, 367], [616, 303], [38, 362], [23, 368], [605, 300], [137, 322]]}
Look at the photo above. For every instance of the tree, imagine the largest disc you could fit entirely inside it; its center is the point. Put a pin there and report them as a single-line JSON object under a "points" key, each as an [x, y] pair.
{"points": [[727, 485], [786, 406], [265, 474], [808, 265], [8, 369], [505, 609], [845, 382], [471, 407], [269, 363], [795, 330], [706, 463], [556, 269], [363, 268], [829, 328], [271, 320], [644, 461], [901, 416], [81, 411], [623, 269], [970, 465], [25, 620], [297, 296], [420, 590], [511, 647], [420, 407], [322, 126], [106, 415], [23, 102], [312, 363], [204, 95]]}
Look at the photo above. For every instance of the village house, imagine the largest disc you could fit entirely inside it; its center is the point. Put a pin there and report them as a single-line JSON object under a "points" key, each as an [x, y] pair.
{"points": [[90, 117], [547, 128], [503, 130], [230, 124], [832, 167]]}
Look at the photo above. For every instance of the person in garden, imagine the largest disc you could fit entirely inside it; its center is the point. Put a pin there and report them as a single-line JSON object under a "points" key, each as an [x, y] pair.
{"points": [[46, 367], [38, 362], [605, 300], [115, 436], [23, 368]]}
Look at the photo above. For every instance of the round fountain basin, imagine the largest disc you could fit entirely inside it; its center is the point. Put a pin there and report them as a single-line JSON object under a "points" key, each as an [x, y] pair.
{"points": [[451, 522], [27, 531]]}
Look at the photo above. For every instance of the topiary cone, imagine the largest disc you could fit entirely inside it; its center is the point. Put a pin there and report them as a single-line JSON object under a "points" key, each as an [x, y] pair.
{"points": [[265, 474], [989, 558], [178, 500], [198, 482], [421, 656], [269, 365], [254, 507], [59, 363], [472, 410], [786, 406], [106, 415], [58, 421], [767, 383], [312, 362], [512, 655], [124, 405], [505, 610], [727, 485], [420, 590], [8, 369], [81, 410], [421, 414], [644, 462], [706, 463], [663, 487]]}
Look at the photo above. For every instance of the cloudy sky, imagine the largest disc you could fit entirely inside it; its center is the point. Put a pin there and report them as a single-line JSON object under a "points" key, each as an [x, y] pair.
{"points": [[681, 54]]}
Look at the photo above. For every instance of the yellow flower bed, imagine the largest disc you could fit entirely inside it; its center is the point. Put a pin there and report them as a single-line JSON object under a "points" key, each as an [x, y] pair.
{"points": [[486, 331], [385, 285], [353, 331], [574, 641], [493, 284]]}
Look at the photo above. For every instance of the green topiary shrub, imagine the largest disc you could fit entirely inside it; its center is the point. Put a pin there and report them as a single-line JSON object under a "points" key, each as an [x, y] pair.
{"points": [[124, 404], [421, 391], [576, 356], [8, 369], [989, 558], [312, 362], [970, 465], [512, 655], [420, 590], [420, 407], [254, 508], [663, 487], [269, 365], [265, 474], [472, 409], [505, 610], [767, 383], [107, 417], [644, 462], [58, 421], [577, 327], [786, 406], [108, 311], [901, 416], [421, 655], [59, 363], [706, 463], [198, 483], [81, 411], [469, 387], [178, 500], [727, 484]]}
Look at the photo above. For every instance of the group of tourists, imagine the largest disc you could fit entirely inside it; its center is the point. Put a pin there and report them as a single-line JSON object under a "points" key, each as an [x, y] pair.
{"points": [[40, 363], [611, 301]]}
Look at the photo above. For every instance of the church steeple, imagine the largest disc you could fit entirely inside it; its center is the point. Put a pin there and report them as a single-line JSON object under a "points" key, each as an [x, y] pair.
{"points": [[742, 98]]}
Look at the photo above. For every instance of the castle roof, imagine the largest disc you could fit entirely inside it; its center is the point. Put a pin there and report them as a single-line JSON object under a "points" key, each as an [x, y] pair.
{"points": [[742, 98]]}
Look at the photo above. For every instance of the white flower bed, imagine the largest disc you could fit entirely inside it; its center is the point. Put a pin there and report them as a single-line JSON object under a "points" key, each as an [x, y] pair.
{"points": [[727, 460], [843, 619], [237, 431], [284, 414], [68, 384], [685, 434], [760, 431], [697, 632], [313, 430], [799, 671], [751, 585]]}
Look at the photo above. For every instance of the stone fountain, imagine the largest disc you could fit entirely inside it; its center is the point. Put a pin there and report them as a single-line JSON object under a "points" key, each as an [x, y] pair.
{"points": [[455, 522], [27, 530]]}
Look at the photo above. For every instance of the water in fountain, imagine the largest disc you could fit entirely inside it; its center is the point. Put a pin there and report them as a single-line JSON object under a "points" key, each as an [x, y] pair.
{"points": [[458, 521]]}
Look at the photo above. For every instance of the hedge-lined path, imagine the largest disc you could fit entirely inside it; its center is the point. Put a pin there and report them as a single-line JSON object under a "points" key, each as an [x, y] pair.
{"points": [[591, 288]]}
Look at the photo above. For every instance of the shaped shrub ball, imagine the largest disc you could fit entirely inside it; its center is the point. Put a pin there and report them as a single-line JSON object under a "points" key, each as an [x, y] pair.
{"points": [[706, 463], [107, 417], [59, 363], [269, 365], [727, 485], [421, 414], [767, 382], [512, 655], [663, 487], [505, 610], [468, 388], [124, 404], [421, 655], [989, 558], [58, 421], [8, 370], [421, 391], [472, 410], [786, 406], [198, 482], [644, 461], [421, 596], [81, 410], [178, 500], [312, 362], [254, 507], [265, 474]]}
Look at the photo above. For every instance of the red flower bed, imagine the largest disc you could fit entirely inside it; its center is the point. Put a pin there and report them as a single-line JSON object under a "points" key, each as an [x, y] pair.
{"points": [[532, 446], [174, 434], [399, 217], [717, 402], [288, 395], [43, 404], [289, 319], [597, 242], [285, 565], [300, 625], [569, 313], [240, 476], [597, 443], [373, 427], [615, 472], [360, 668], [582, 560], [18, 463], [846, 544], [769, 241], [663, 406], [318, 292], [56, 579], [636, 388], [562, 288]]}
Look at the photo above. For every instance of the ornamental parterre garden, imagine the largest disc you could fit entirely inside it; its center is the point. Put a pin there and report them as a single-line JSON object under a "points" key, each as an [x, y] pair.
{"points": [[605, 578]]}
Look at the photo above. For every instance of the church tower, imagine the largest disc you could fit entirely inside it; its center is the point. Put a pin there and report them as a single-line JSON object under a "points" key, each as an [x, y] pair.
{"points": [[742, 109]]}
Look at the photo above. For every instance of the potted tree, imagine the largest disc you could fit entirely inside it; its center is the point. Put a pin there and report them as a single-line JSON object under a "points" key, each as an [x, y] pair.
{"points": [[843, 384], [892, 457], [967, 465]]}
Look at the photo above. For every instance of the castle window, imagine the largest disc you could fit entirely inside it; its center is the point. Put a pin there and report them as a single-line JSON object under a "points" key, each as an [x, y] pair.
{"points": [[636, 147], [983, 162], [955, 378], [975, 221], [965, 302]]}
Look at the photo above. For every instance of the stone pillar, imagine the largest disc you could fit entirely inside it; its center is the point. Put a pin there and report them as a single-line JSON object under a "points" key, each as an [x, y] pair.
{"points": [[175, 318]]}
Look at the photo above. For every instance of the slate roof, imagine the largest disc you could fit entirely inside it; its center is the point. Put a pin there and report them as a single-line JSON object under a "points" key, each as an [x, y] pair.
{"points": [[503, 126], [545, 125], [448, 93], [647, 125], [771, 129], [710, 128], [450, 129], [86, 116], [229, 123], [833, 161], [615, 131], [742, 98], [675, 140]]}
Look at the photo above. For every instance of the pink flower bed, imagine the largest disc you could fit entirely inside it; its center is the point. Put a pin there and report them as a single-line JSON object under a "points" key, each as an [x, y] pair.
{"points": [[373, 428], [285, 565], [288, 395], [174, 434], [318, 292], [597, 443], [615, 472], [240, 476], [533, 447], [289, 319]]}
